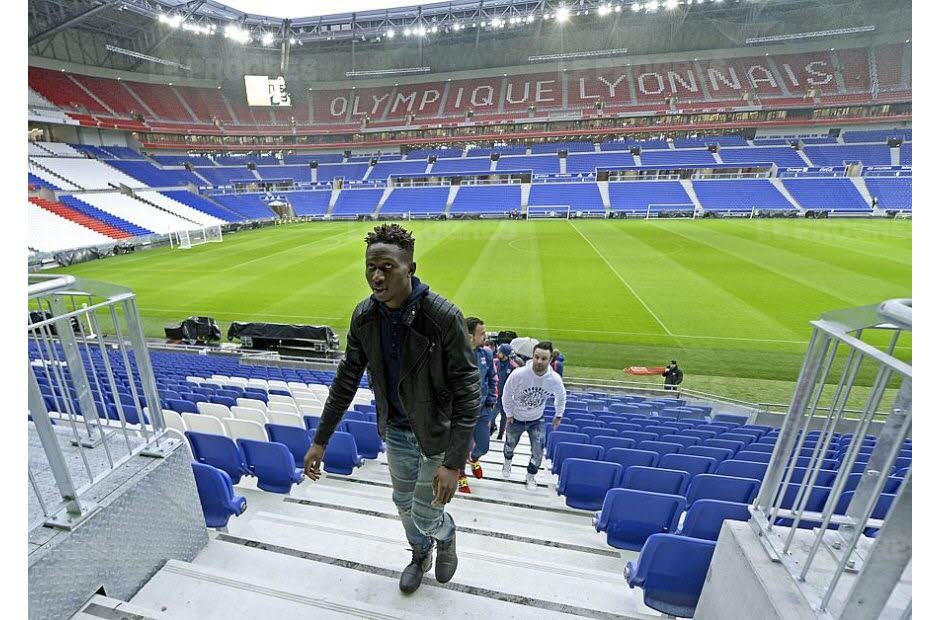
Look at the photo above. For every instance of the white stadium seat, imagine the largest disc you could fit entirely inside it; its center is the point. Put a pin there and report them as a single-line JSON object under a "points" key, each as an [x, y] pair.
{"points": [[203, 423], [213, 409], [244, 429], [287, 419], [285, 407], [250, 414], [251, 402]]}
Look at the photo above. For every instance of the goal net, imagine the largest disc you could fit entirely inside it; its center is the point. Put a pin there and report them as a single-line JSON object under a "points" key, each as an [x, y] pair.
{"points": [[185, 239], [671, 210], [548, 212]]}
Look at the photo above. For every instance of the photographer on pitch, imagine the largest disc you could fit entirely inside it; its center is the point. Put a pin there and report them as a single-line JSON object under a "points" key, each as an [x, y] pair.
{"points": [[673, 376]]}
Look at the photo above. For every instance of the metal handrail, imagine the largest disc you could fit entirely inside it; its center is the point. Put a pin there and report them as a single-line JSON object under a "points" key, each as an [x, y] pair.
{"points": [[74, 387], [879, 565]]}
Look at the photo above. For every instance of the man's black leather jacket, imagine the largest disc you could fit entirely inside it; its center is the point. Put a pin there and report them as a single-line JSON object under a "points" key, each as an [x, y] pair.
{"points": [[439, 385]]}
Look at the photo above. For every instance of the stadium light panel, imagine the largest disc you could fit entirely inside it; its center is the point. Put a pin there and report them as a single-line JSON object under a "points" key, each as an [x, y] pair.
{"points": [[173, 21], [237, 34], [670, 4], [434, 30], [562, 14], [407, 32], [603, 9], [618, 8], [636, 7], [390, 34], [530, 19], [652, 6], [268, 38], [457, 27], [421, 31]]}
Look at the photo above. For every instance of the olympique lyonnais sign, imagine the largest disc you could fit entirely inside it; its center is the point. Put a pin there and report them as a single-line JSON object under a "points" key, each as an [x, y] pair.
{"points": [[786, 75]]}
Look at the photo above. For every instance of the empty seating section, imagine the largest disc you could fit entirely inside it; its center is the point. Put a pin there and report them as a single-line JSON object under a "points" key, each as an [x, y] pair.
{"points": [[538, 164], [877, 135], [122, 152], [60, 89], [675, 157], [60, 149], [416, 200], [320, 158], [867, 154], [179, 160], [638, 196], [350, 172], [906, 154], [201, 218], [739, 195], [439, 153], [487, 199], [357, 201], [461, 164], [554, 147], [502, 150], [309, 203], [297, 174], [827, 194], [132, 210], [589, 162], [89, 149], [147, 173], [784, 157], [162, 101], [88, 173], [249, 206], [111, 219], [385, 169], [892, 193], [219, 176], [578, 196], [49, 232], [203, 204]]}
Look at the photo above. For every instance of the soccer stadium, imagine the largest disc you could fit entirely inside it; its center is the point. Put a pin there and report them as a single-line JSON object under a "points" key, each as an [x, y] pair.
{"points": [[617, 293]]}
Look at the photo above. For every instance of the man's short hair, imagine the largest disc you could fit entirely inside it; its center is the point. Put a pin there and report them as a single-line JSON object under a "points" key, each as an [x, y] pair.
{"points": [[472, 323], [545, 345], [392, 234]]}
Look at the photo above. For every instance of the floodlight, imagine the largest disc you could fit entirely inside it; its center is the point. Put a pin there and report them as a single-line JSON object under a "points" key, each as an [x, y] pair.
{"points": [[390, 34], [562, 14], [422, 31], [407, 32], [173, 21], [670, 4], [530, 19], [652, 6], [457, 27], [237, 34], [636, 7], [603, 9], [268, 38], [434, 30], [618, 8]]}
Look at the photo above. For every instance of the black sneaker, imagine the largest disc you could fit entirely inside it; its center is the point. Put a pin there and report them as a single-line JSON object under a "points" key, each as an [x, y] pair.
{"points": [[413, 574], [446, 563]]}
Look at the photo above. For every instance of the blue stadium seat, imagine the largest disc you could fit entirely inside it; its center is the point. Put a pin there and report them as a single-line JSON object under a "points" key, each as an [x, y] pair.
{"points": [[891, 484], [312, 422], [628, 457], [296, 439], [368, 442], [757, 446], [737, 420], [639, 436], [734, 446], [612, 442], [742, 469], [584, 483], [882, 506], [228, 401], [690, 463], [217, 496], [815, 502], [824, 477], [683, 440], [704, 518], [272, 464], [557, 437], [565, 428], [755, 456], [629, 517], [660, 447], [220, 452], [624, 426], [699, 433], [727, 488], [671, 571], [566, 450], [181, 406], [655, 480], [598, 431], [342, 454]]}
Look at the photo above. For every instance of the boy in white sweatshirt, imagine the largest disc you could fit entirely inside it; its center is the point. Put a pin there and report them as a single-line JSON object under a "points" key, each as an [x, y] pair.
{"points": [[524, 396]]}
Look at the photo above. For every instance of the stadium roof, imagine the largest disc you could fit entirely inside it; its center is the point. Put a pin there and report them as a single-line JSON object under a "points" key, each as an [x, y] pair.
{"points": [[293, 9]]}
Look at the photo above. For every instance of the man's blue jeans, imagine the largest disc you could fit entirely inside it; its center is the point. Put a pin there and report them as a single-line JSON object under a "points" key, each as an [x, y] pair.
{"points": [[536, 431], [481, 434], [412, 476]]}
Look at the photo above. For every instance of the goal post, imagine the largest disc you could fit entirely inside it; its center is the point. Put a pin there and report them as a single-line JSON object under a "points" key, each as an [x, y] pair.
{"points": [[653, 209], [548, 212], [186, 239]]}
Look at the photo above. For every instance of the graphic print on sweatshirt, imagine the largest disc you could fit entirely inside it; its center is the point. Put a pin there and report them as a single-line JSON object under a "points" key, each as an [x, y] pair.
{"points": [[533, 397]]}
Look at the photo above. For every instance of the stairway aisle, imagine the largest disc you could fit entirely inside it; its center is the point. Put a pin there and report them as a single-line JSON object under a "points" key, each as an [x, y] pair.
{"points": [[335, 549]]}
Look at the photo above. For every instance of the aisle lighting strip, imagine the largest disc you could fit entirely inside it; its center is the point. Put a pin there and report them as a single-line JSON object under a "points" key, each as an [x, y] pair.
{"points": [[572, 55]]}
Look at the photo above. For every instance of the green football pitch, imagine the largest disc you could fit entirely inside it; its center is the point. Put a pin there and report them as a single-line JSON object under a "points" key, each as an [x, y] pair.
{"points": [[731, 300]]}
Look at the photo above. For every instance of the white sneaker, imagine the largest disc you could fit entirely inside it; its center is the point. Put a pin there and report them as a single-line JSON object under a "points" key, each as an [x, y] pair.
{"points": [[530, 482], [507, 468]]}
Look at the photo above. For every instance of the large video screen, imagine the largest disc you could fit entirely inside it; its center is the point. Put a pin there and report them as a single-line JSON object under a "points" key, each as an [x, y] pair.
{"points": [[263, 91]]}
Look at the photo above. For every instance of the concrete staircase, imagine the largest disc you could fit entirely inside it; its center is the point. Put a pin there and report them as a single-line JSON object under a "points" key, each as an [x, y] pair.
{"points": [[451, 195], [385, 195], [690, 191], [335, 549], [859, 183], [604, 188], [778, 183]]}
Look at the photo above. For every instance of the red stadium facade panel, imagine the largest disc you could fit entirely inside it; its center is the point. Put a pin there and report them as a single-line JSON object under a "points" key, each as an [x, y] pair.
{"points": [[840, 77]]}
